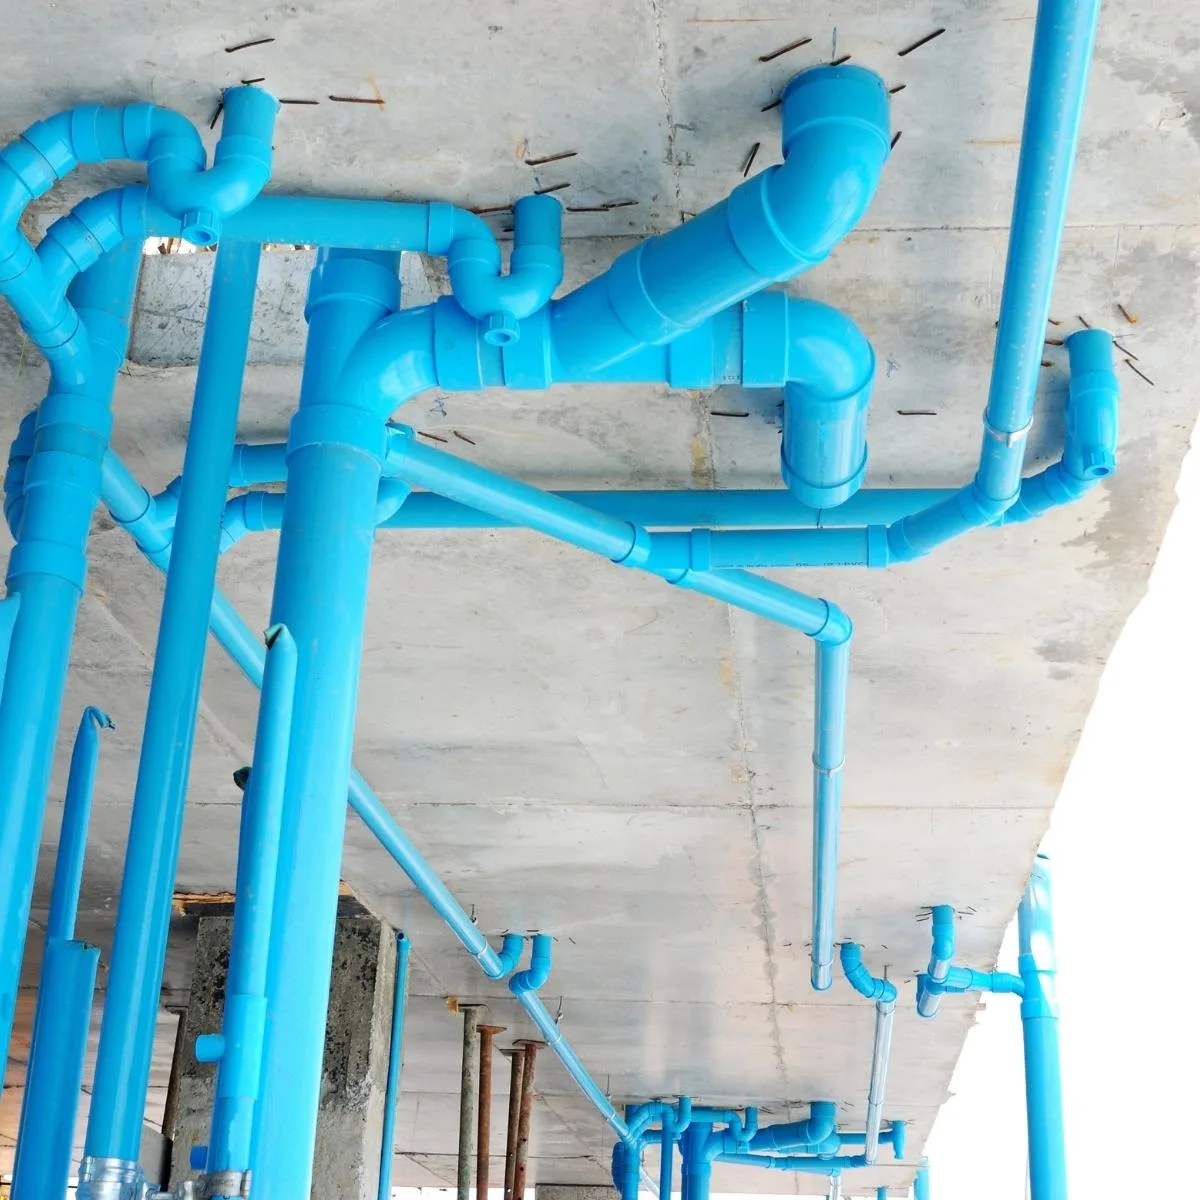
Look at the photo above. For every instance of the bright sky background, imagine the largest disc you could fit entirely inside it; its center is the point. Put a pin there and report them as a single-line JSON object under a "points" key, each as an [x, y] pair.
{"points": [[1123, 846]]}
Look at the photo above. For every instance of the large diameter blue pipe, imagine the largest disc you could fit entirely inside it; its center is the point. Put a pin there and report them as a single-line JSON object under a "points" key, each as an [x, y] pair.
{"points": [[920, 1189], [72, 836], [783, 221], [54, 1072], [245, 1017], [144, 913], [46, 570], [9, 607], [335, 453], [391, 1095], [1039, 1027], [1064, 33]]}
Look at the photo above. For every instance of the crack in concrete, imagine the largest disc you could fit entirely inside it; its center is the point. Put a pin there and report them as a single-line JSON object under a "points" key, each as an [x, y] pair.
{"points": [[762, 904], [663, 80]]}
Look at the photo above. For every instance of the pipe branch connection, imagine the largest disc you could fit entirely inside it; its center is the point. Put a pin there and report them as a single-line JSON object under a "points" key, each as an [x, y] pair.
{"points": [[942, 976]]}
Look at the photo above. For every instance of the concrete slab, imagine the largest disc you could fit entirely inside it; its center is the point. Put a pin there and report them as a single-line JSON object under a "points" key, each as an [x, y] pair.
{"points": [[586, 751]]}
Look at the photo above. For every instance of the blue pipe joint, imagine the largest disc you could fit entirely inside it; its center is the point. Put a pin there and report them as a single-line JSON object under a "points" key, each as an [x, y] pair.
{"points": [[823, 457], [241, 166], [1092, 401], [861, 980], [535, 270], [538, 971]]}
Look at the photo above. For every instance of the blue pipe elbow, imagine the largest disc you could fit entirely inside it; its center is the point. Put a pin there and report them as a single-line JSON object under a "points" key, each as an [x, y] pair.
{"points": [[241, 166], [538, 971], [536, 269], [510, 953], [861, 980], [930, 984], [781, 222]]}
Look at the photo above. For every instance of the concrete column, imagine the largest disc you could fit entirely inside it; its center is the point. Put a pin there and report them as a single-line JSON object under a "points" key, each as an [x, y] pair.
{"points": [[354, 1069]]}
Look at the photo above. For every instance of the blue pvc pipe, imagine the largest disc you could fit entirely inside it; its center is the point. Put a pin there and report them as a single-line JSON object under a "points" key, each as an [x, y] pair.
{"points": [[697, 1164], [9, 607], [1064, 33], [335, 452], [883, 992], [784, 220], [47, 569], [941, 956], [920, 1188], [391, 1095], [144, 913], [523, 985], [72, 835], [54, 1072], [1039, 1028], [245, 1016]]}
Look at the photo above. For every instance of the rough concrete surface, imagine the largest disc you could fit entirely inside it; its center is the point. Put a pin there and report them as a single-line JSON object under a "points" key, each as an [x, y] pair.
{"points": [[586, 751]]}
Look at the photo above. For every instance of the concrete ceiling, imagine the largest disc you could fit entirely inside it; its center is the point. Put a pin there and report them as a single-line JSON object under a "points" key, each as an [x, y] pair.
{"points": [[584, 750]]}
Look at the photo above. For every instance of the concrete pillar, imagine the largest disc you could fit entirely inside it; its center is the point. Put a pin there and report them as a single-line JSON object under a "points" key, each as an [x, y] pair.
{"points": [[354, 1071]]}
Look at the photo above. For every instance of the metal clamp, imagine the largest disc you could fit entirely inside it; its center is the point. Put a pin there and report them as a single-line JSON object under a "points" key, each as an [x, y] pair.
{"points": [[1004, 436], [102, 1178]]}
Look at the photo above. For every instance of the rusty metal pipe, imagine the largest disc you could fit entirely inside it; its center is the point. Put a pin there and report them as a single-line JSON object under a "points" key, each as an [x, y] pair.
{"points": [[525, 1119], [516, 1059], [468, 1096], [483, 1141]]}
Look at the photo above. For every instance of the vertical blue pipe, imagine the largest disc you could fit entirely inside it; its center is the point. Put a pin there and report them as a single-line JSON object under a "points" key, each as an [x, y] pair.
{"points": [[666, 1160], [1039, 1027], [47, 569], [920, 1189], [54, 1074], [245, 1016], [77, 812], [697, 1166], [335, 453], [144, 914], [829, 752], [9, 607], [63, 1016], [387, 1146]]}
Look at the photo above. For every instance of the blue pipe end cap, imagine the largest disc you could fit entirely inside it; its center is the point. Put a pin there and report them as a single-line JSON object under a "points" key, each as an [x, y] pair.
{"points": [[501, 329], [843, 95]]}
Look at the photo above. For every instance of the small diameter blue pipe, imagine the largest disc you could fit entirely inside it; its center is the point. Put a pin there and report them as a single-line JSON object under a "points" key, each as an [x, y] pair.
{"points": [[942, 976], [63, 1016], [1064, 33], [1039, 1027], [144, 913], [633, 546], [335, 452], [524, 985], [883, 992], [47, 568], [391, 1096], [77, 813], [240, 1047]]}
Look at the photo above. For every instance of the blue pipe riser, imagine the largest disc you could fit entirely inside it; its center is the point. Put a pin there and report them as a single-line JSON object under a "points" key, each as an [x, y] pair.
{"points": [[156, 824], [387, 1141], [46, 570], [335, 452], [54, 1070]]}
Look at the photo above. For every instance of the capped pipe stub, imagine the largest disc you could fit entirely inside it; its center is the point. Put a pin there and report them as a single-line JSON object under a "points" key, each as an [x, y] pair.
{"points": [[846, 95], [501, 329], [200, 227]]}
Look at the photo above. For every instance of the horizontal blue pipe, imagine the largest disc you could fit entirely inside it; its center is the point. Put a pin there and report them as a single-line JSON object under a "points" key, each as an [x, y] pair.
{"points": [[810, 1166]]}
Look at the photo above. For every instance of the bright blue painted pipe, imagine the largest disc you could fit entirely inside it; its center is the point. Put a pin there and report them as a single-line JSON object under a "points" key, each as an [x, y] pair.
{"points": [[783, 221], [524, 985], [940, 958], [1089, 453], [921, 1182], [9, 607], [697, 1165], [336, 448], [144, 913], [62, 1018], [72, 835], [46, 569], [1062, 51], [391, 1095], [1039, 1028], [245, 1017], [816, 1128], [631, 545], [54, 1072], [883, 992], [799, 1162]]}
